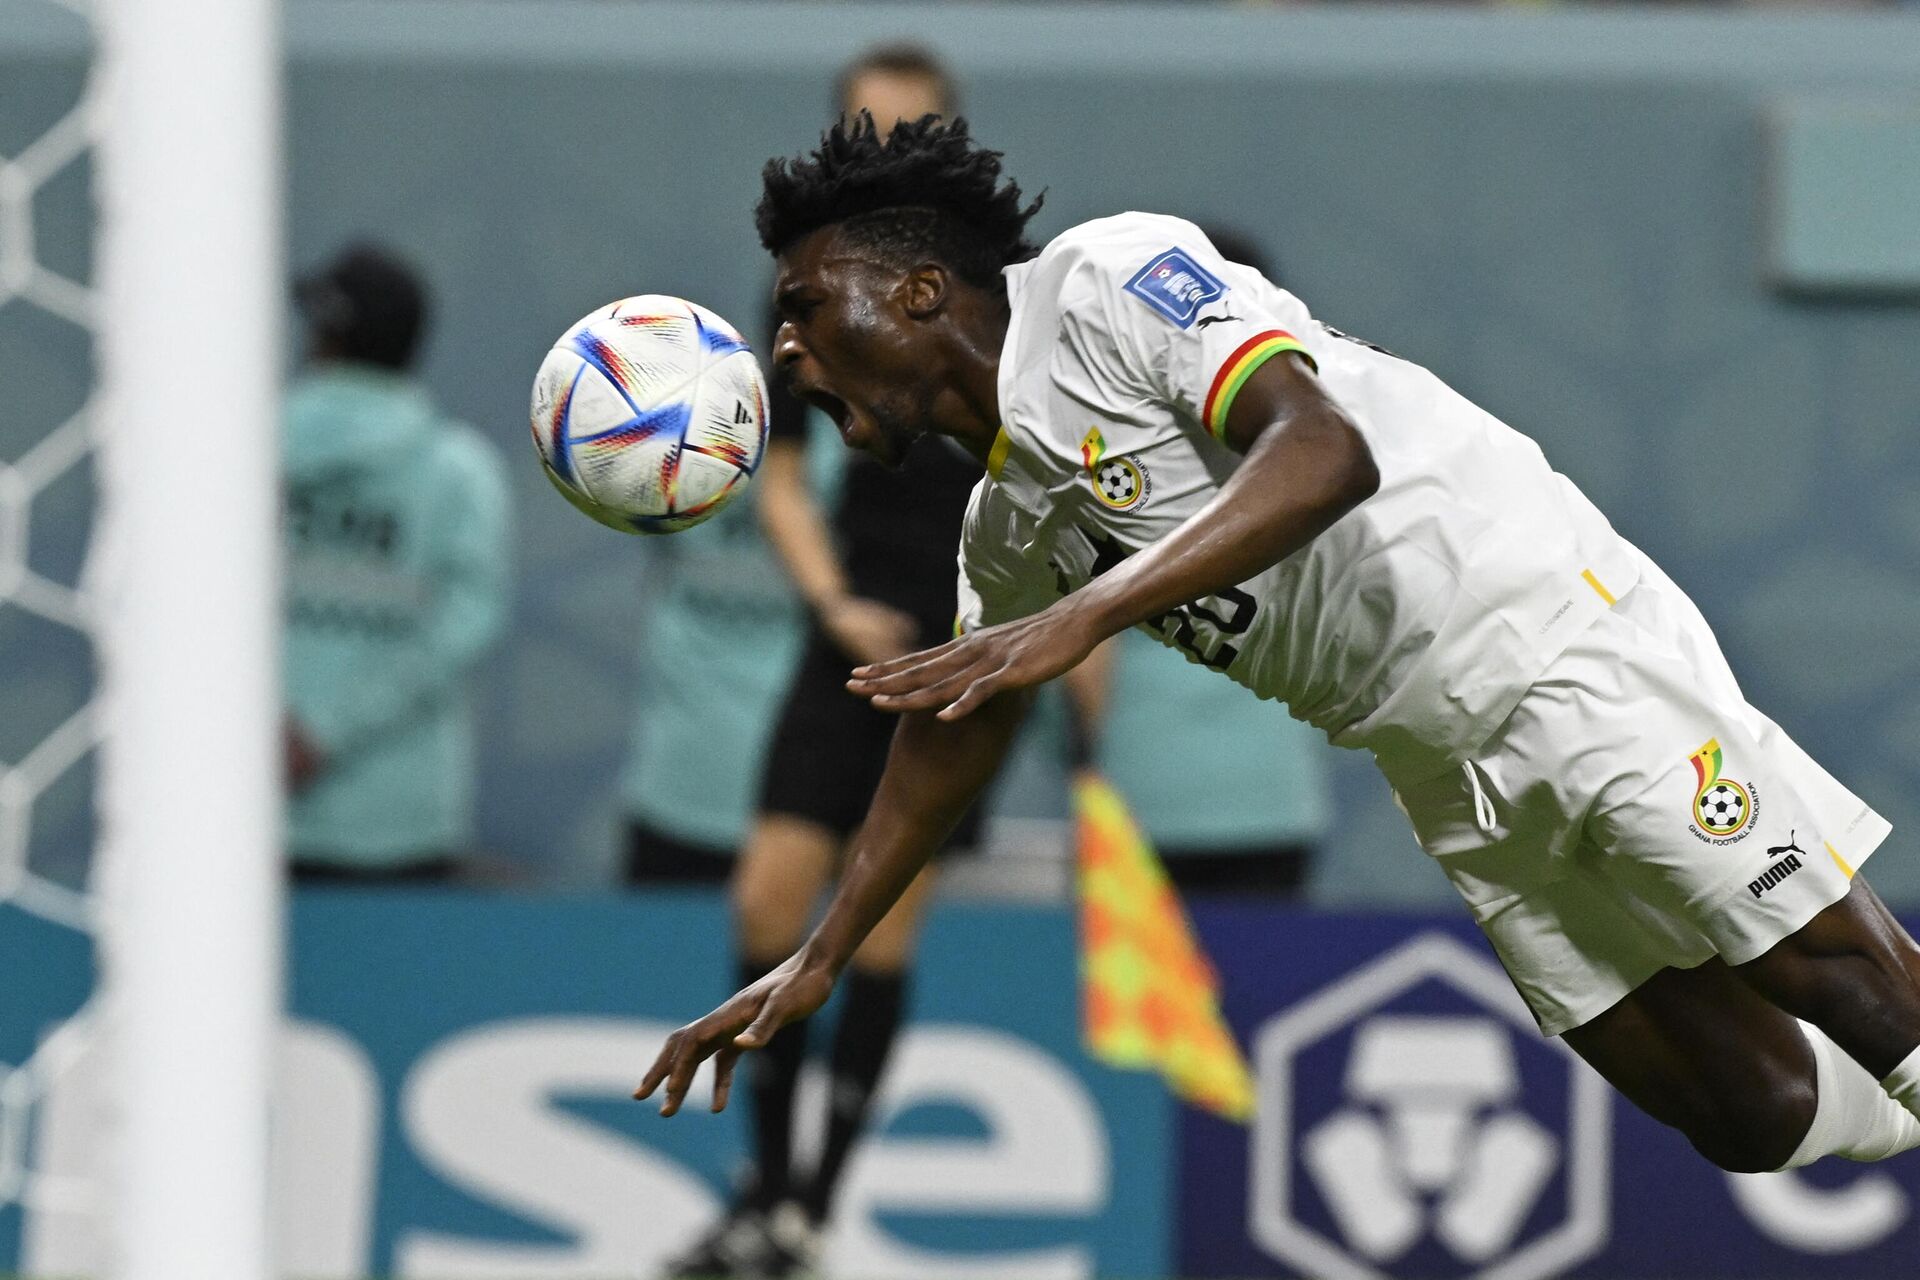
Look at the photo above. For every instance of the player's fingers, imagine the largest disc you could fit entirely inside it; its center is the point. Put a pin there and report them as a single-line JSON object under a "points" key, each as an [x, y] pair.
{"points": [[679, 1080], [936, 694], [658, 1071], [946, 664], [906, 678], [723, 1063], [976, 693], [876, 670], [697, 1044], [761, 1029]]}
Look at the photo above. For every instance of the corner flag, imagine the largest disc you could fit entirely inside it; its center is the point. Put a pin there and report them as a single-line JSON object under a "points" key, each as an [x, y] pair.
{"points": [[1150, 999]]}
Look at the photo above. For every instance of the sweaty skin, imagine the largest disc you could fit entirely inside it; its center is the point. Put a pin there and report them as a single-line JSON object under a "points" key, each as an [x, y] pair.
{"points": [[889, 353]]}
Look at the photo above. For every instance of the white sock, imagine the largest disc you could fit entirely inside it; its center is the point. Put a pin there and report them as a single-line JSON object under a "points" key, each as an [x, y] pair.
{"points": [[1903, 1086], [1854, 1116]]}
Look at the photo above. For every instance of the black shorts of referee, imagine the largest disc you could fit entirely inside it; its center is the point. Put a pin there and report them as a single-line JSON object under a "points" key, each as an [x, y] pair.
{"points": [[830, 746]]}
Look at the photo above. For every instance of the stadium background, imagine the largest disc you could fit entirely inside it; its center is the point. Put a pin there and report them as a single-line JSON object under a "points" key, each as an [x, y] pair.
{"points": [[1603, 225]]}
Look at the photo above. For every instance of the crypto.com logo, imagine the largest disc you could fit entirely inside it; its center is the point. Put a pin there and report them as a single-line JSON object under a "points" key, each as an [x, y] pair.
{"points": [[1433, 1140]]}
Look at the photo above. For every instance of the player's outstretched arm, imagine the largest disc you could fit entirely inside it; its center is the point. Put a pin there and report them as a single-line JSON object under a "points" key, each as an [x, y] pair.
{"points": [[935, 769], [1306, 466]]}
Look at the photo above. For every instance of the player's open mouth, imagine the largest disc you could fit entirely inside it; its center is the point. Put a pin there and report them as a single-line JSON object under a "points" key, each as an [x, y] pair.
{"points": [[831, 405]]}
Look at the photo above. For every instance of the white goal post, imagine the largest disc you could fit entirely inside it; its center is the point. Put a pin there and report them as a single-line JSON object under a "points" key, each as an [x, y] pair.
{"points": [[191, 295]]}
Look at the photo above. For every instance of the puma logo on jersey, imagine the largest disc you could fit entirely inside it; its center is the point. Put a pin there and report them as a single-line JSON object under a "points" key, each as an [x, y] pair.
{"points": [[1207, 320], [1788, 847]]}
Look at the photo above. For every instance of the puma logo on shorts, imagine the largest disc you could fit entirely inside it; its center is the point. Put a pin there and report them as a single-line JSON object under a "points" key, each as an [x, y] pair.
{"points": [[1774, 874]]}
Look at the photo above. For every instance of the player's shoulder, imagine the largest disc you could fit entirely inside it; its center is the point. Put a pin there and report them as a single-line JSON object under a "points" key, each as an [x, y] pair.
{"points": [[1133, 269], [1121, 244]]}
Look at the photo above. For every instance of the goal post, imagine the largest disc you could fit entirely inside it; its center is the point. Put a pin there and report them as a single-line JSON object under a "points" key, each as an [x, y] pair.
{"points": [[191, 296]]}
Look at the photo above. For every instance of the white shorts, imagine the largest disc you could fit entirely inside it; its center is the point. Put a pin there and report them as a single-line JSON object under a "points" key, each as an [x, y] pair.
{"points": [[1635, 813]]}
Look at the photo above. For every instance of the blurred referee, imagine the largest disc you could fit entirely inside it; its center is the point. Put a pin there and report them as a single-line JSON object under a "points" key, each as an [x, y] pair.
{"points": [[876, 583]]}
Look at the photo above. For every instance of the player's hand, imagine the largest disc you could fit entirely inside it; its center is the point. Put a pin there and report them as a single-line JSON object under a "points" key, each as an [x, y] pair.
{"points": [[748, 1021], [866, 630], [963, 673]]}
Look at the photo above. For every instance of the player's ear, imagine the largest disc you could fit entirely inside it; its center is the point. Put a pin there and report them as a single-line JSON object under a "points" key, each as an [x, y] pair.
{"points": [[925, 291]]}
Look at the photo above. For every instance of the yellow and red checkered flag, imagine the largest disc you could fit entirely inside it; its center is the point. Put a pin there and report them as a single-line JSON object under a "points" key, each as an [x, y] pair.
{"points": [[1150, 1000]]}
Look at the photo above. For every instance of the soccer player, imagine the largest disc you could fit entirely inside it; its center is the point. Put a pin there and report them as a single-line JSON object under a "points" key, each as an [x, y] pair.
{"points": [[1669, 880], [876, 582]]}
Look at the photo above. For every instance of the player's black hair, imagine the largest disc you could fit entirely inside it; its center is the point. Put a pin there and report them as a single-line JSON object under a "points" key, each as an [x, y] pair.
{"points": [[924, 191], [367, 305]]}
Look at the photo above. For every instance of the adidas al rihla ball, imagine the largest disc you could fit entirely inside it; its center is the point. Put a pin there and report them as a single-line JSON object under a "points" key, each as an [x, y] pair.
{"points": [[650, 414]]}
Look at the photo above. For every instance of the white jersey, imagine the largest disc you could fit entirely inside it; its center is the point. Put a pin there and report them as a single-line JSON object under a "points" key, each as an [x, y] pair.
{"points": [[1411, 627]]}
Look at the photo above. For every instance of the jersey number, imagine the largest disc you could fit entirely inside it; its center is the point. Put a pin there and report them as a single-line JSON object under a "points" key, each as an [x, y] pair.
{"points": [[1177, 625], [1226, 613]]}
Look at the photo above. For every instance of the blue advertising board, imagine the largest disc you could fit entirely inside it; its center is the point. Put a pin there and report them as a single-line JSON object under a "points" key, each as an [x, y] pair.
{"points": [[454, 1100], [1412, 1123]]}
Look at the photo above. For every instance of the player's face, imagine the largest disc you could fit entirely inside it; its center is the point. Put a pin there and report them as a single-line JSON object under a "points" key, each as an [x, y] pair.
{"points": [[847, 346]]}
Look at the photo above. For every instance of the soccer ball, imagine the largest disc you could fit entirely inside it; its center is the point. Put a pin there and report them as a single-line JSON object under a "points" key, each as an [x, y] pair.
{"points": [[1722, 807], [650, 414]]}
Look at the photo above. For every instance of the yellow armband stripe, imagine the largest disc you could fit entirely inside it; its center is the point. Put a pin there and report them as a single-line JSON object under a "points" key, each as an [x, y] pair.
{"points": [[1235, 371]]}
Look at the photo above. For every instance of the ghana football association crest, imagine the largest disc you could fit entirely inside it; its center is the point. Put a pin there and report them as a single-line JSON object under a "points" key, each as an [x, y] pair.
{"points": [[1723, 809], [1120, 481]]}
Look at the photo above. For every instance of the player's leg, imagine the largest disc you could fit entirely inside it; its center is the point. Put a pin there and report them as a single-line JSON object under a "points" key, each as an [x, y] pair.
{"points": [[1771, 890], [1646, 1002], [1743, 846], [1699, 1050], [1854, 972], [1751, 1088], [1771, 880], [1724, 1049], [1611, 916]]}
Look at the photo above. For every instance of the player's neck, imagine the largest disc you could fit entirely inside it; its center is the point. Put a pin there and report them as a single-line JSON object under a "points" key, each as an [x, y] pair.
{"points": [[967, 408]]}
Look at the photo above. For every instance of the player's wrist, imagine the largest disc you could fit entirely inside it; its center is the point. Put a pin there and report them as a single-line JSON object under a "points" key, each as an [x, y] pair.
{"points": [[1091, 618], [818, 955]]}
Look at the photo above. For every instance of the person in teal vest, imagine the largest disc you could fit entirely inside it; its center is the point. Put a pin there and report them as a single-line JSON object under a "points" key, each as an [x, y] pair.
{"points": [[397, 571]]}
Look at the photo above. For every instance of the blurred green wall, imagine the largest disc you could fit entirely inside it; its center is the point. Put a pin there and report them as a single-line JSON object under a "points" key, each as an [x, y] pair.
{"points": [[1562, 213]]}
